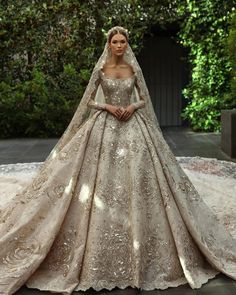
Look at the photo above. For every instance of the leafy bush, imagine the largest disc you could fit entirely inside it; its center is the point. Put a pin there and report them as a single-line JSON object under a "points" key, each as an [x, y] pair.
{"points": [[205, 32], [48, 50], [231, 95], [40, 106]]}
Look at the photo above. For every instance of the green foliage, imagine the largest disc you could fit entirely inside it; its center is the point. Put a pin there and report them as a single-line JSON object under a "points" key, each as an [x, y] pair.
{"points": [[231, 46], [35, 105], [48, 50], [205, 32], [45, 47]]}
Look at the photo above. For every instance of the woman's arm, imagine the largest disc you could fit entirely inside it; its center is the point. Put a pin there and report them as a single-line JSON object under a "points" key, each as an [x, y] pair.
{"points": [[114, 110], [94, 104], [141, 103], [133, 106]]}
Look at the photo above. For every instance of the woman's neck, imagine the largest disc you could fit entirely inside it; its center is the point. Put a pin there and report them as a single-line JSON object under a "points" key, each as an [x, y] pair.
{"points": [[117, 60]]}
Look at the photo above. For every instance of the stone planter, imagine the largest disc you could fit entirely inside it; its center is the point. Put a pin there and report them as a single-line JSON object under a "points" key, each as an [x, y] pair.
{"points": [[228, 132]]}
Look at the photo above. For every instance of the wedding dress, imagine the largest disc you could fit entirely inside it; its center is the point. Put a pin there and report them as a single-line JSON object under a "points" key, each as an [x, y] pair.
{"points": [[111, 206]]}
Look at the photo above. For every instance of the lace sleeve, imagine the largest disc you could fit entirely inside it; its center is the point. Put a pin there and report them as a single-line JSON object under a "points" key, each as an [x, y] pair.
{"points": [[94, 104], [141, 103]]}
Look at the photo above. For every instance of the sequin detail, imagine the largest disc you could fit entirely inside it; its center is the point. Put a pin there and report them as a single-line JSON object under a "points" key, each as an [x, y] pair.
{"points": [[119, 96]]}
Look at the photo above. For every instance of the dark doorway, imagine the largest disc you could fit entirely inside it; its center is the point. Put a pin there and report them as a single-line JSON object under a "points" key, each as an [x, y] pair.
{"points": [[165, 69]]}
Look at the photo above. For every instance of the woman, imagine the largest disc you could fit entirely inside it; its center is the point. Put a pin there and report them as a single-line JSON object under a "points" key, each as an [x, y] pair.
{"points": [[111, 206]]}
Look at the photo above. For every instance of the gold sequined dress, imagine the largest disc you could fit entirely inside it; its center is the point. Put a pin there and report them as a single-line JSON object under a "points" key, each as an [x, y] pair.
{"points": [[113, 208]]}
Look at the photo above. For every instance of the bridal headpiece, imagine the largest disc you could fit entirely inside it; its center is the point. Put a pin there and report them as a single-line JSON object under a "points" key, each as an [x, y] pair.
{"points": [[118, 29]]}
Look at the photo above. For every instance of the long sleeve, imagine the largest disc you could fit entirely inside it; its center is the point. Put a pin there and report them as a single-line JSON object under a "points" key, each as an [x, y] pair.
{"points": [[94, 104], [141, 103]]}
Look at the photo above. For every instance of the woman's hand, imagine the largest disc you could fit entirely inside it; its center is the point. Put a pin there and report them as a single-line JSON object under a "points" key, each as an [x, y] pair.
{"points": [[115, 110], [122, 114], [127, 113]]}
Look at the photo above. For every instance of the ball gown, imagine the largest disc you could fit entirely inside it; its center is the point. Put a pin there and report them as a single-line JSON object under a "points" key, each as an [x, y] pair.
{"points": [[112, 209]]}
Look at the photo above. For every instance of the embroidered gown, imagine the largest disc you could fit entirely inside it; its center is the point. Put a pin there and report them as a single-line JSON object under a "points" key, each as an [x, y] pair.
{"points": [[113, 208]]}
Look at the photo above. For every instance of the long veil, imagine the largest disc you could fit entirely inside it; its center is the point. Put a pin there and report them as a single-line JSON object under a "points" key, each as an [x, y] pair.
{"points": [[186, 198], [32, 221], [83, 112]]}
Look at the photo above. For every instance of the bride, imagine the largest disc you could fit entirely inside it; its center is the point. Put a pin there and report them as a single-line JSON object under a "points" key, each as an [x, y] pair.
{"points": [[110, 206]]}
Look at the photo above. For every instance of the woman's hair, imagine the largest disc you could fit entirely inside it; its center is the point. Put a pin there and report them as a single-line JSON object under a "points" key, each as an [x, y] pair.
{"points": [[117, 30]]}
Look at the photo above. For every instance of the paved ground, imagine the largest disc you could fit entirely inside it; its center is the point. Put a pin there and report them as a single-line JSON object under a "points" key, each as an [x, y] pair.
{"points": [[183, 142]]}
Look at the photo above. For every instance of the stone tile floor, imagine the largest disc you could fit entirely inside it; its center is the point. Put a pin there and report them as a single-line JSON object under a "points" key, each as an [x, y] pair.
{"points": [[183, 142]]}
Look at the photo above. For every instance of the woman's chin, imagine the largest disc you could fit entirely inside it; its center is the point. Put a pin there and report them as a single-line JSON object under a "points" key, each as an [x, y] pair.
{"points": [[119, 53]]}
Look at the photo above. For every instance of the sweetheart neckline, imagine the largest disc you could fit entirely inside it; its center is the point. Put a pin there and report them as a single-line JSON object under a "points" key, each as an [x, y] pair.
{"points": [[114, 78]]}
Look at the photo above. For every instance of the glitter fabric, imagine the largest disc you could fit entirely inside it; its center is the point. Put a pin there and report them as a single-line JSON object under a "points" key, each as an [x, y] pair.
{"points": [[112, 208]]}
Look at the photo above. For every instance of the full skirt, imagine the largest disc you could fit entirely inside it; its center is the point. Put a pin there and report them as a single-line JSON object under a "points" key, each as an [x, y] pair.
{"points": [[113, 208]]}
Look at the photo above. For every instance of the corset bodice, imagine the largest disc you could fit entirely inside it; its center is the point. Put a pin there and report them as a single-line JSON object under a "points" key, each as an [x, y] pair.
{"points": [[117, 91]]}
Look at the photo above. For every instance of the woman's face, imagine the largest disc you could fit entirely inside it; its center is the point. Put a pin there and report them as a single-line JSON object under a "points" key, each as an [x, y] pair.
{"points": [[118, 44]]}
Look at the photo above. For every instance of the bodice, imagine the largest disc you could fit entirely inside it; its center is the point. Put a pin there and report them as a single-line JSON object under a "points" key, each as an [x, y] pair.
{"points": [[117, 91]]}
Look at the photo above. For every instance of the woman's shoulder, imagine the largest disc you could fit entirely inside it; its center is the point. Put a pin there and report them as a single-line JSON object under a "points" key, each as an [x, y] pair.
{"points": [[129, 68]]}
